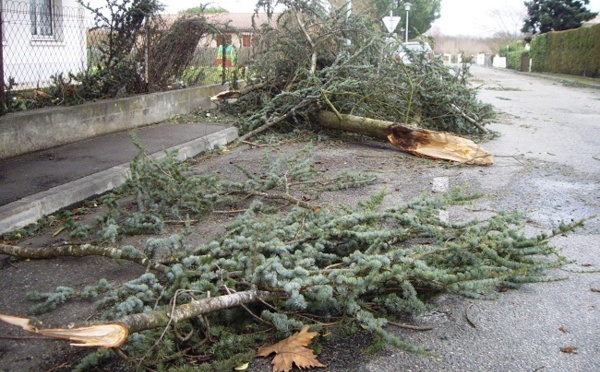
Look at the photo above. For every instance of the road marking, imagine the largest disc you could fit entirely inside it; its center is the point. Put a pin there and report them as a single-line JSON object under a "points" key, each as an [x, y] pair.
{"points": [[441, 184]]}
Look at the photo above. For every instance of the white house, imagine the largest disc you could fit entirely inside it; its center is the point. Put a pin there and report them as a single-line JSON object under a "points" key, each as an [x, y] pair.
{"points": [[41, 38]]}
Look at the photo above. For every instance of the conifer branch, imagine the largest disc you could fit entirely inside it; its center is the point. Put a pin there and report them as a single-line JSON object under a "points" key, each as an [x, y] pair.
{"points": [[274, 120], [313, 58], [470, 120], [282, 196]]}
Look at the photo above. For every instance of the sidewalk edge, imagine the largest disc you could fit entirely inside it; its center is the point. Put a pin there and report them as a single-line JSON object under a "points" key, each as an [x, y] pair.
{"points": [[30, 209]]}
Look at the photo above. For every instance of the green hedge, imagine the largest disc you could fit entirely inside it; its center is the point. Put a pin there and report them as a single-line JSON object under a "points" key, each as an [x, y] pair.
{"points": [[513, 53], [513, 60], [574, 52]]}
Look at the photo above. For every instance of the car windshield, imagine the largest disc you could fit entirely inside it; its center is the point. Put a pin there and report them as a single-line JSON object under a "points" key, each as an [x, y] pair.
{"points": [[409, 50]]}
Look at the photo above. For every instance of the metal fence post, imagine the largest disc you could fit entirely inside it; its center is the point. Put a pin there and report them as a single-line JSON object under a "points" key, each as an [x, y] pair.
{"points": [[147, 54], [2, 90]]}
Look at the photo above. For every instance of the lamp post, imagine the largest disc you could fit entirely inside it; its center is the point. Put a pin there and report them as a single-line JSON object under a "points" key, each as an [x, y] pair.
{"points": [[407, 8]]}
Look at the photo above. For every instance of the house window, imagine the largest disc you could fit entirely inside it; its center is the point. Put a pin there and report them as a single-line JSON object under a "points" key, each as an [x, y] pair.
{"points": [[223, 39], [246, 40], [41, 17]]}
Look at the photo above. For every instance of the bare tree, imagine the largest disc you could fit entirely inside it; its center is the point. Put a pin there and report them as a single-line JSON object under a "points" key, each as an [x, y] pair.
{"points": [[508, 18]]}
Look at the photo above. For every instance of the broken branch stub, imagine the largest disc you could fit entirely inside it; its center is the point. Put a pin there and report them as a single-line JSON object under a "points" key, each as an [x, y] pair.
{"points": [[104, 335]]}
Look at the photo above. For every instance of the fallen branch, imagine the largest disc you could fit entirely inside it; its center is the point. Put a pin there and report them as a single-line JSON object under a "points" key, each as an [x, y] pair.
{"points": [[286, 197], [470, 120], [309, 101], [412, 327], [115, 334], [313, 57], [36, 253]]}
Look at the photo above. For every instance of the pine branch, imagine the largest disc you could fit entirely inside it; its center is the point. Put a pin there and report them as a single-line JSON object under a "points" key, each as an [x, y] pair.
{"points": [[275, 120]]}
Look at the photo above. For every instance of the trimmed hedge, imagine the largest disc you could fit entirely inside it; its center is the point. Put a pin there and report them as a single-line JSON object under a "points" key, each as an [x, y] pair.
{"points": [[514, 59], [573, 52]]}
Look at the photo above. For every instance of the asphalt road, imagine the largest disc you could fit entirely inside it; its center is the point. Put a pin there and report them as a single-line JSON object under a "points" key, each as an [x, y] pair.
{"points": [[548, 166]]}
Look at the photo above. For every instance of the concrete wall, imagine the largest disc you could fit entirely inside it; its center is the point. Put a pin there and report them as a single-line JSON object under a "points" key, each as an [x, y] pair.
{"points": [[499, 62], [25, 132]]}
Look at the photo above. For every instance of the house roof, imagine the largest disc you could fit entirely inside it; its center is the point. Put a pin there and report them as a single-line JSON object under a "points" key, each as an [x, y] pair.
{"points": [[240, 21], [593, 21]]}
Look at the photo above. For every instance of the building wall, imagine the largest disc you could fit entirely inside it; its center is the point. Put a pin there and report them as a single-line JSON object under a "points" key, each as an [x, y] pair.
{"points": [[31, 60]]}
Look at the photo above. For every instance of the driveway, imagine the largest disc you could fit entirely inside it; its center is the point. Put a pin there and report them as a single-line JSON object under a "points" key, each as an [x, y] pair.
{"points": [[548, 166]]}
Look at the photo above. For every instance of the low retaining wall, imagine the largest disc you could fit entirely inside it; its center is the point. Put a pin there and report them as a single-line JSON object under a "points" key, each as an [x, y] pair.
{"points": [[41, 129]]}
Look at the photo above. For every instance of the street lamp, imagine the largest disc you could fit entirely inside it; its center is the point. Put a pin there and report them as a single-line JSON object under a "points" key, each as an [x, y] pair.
{"points": [[407, 8]]}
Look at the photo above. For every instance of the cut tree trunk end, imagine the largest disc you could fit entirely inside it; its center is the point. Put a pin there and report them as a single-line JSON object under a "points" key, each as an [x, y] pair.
{"points": [[419, 142]]}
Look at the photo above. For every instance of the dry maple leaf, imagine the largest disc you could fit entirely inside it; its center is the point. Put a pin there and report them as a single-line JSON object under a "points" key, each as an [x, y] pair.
{"points": [[292, 350]]}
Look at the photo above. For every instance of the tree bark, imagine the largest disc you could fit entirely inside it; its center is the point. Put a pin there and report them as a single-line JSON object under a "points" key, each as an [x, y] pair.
{"points": [[160, 318], [114, 334], [82, 250], [419, 142], [356, 124]]}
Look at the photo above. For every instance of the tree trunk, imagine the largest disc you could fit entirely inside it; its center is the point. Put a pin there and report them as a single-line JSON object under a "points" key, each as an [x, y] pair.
{"points": [[355, 124], [419, 142]]}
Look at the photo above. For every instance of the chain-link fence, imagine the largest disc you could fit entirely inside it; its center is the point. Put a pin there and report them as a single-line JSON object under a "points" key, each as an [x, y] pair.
{"points": [[40, 40], [44, 43]]}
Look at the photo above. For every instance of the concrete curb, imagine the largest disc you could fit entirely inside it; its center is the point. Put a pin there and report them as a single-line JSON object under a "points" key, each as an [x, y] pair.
{"points": [[30, 209]]}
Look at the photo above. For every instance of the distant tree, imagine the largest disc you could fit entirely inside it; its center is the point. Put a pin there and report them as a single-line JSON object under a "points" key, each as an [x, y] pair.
{"points": [[421, 16], [203, 9], [555, 15], [507, 20]]}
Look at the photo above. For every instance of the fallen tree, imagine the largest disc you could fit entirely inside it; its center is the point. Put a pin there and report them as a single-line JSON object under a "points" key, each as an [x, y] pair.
{"points": [[416, 141], [304, 68]]}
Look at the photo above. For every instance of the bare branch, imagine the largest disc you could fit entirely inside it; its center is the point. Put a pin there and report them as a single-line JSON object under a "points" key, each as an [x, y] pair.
{"points": [[82, 250]]}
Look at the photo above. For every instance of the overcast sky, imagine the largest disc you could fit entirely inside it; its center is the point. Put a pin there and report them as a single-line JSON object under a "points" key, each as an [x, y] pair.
{"points": [[458, 17], [474, 17]]}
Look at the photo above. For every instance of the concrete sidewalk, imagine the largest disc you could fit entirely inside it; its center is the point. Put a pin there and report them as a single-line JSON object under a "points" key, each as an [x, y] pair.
{"points": [[40, 183]]}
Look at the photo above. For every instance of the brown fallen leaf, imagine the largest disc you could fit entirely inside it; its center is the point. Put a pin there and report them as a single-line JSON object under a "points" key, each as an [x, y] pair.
{"points": [[597, 290], [292, 350], [569, 349], [563, 329], [40, 94]]}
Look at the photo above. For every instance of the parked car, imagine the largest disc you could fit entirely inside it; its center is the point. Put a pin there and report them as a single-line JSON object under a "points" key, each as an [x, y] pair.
{"points": [[413, 51]]}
